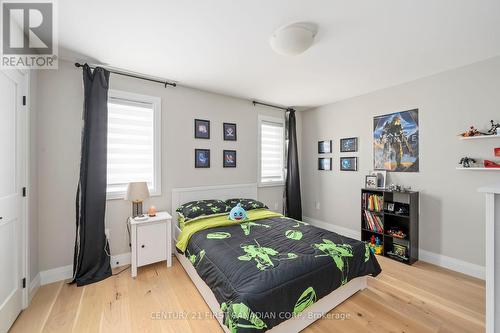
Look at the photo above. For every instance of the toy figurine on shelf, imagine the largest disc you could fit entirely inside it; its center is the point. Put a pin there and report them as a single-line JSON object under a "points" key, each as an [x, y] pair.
{"points": [[378, 246], [371, 244], [491, 164], [471, 132], [375, 246], [494, 130], [467, 162], [396, 232], [394, 188]]}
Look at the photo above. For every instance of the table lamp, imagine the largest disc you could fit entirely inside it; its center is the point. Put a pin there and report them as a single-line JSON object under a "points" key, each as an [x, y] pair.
{"points": [[137, 192]]}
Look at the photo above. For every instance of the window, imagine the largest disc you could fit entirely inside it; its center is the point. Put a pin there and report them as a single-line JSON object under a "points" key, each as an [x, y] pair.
{"points": [[134, 133], [271, 151]]}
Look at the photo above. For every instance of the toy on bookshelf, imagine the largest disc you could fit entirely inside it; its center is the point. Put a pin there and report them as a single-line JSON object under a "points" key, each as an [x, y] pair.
{"points": [[402, 209], [375, 246], [396, 232]]}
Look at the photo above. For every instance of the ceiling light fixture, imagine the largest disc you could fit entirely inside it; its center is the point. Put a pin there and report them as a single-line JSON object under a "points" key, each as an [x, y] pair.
{"points": [[293, 39]]}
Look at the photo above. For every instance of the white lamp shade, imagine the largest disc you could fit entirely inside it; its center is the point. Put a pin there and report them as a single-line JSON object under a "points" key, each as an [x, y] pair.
{"points": [[293, 39], [137, 191]]}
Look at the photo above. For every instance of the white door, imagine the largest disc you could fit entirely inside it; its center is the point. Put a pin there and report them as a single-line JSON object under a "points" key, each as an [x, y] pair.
{"points": [[12, 89]]}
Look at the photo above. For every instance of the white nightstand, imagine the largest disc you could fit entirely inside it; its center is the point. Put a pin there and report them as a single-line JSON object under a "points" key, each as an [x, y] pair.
{"points": [[151, 240]]}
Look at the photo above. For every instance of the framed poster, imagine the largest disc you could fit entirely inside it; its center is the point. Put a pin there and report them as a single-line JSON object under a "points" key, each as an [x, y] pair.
{"points": [[395, 142]]}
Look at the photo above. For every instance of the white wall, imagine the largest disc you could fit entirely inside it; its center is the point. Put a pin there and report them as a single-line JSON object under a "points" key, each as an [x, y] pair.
{"points": [[60, 97], [451, 212]]}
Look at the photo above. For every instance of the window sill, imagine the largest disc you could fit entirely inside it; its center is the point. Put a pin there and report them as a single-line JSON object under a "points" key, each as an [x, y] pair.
{"points": [[271, 184], [121, 196]]}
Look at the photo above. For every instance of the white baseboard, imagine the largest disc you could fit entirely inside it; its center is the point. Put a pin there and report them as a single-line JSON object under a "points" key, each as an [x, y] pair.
{"points": [[453, 264], [66, 272], [120, 260], [34, 285], [456, 265], [56, 274], [356, 234]]}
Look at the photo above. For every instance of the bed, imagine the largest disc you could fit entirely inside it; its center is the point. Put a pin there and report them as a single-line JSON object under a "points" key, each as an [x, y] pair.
{"points": [[269, 273]]}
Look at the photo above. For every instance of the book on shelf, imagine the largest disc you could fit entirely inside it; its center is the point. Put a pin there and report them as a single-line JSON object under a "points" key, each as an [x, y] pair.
{"points": [[373, 222], [373, 202]]}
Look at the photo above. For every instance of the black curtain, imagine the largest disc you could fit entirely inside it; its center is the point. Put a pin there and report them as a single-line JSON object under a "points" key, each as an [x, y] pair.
{"points": [[91, 262], [293, 201]]}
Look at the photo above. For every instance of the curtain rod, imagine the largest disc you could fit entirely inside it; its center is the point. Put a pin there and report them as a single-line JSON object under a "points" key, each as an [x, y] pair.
{"points": [[273, 106], [136, 76]]}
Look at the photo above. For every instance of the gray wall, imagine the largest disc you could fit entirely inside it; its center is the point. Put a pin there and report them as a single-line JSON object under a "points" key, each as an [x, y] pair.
{"points": [[33, 177], [451, 212], [60, 97]]}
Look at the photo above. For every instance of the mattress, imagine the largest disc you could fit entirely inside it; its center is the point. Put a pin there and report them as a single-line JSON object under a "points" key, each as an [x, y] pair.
{"points": [[264, 271]]}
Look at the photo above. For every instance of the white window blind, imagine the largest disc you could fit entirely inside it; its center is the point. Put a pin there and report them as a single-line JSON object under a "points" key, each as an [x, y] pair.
{"points": [[272, 137], [133, 142]]}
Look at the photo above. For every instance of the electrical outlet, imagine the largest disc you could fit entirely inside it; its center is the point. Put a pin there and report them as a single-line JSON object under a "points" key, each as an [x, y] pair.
{"points": [[318, 205]]}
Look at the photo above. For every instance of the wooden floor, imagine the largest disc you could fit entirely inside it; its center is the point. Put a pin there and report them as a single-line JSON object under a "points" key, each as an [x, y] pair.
{"points": [[421, 298]]}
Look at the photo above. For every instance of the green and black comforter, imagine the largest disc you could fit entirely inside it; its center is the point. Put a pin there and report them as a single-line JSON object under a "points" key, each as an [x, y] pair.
{"points": [[265, 271]]}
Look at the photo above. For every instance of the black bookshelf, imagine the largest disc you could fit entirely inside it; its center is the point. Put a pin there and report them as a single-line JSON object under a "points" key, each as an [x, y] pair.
{"points": [[404, 217]]}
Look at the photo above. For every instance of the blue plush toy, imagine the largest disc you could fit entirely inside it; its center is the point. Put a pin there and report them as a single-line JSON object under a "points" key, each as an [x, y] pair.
{"points": [[238, 213]]}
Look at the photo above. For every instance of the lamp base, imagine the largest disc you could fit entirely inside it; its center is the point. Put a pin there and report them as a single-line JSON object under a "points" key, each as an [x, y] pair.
{"points": [[136, 208]]}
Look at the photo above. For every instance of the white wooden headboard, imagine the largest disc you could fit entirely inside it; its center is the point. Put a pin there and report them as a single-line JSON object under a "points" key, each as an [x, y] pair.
{"points": [[222, 192]]}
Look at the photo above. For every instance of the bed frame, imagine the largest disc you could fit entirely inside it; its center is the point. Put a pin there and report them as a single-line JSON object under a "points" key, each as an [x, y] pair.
{"points": [[294, 324]]}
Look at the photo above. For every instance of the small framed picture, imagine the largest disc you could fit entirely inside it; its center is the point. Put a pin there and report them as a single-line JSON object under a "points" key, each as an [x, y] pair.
{"points": [[229, 131], [381, 177], [201, 129], [348, 145], [325, 147], [325, 163], [348, 164], [371, 181], [390, 207], [202, 158], [229, 160]]}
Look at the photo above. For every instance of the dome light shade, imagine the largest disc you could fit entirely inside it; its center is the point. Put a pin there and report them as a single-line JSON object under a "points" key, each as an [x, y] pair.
{"points": [[293, 39]]}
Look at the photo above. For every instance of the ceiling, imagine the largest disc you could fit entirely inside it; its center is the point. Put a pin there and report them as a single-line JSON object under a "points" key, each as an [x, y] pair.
{"points": [[223, 45]]}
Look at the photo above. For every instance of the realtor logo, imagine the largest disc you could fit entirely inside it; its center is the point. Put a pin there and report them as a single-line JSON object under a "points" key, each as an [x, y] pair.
{"points": [[28, 35]]}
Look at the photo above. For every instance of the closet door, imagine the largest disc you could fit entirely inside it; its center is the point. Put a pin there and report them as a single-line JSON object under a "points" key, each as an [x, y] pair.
{"points": [[11, 169]]}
